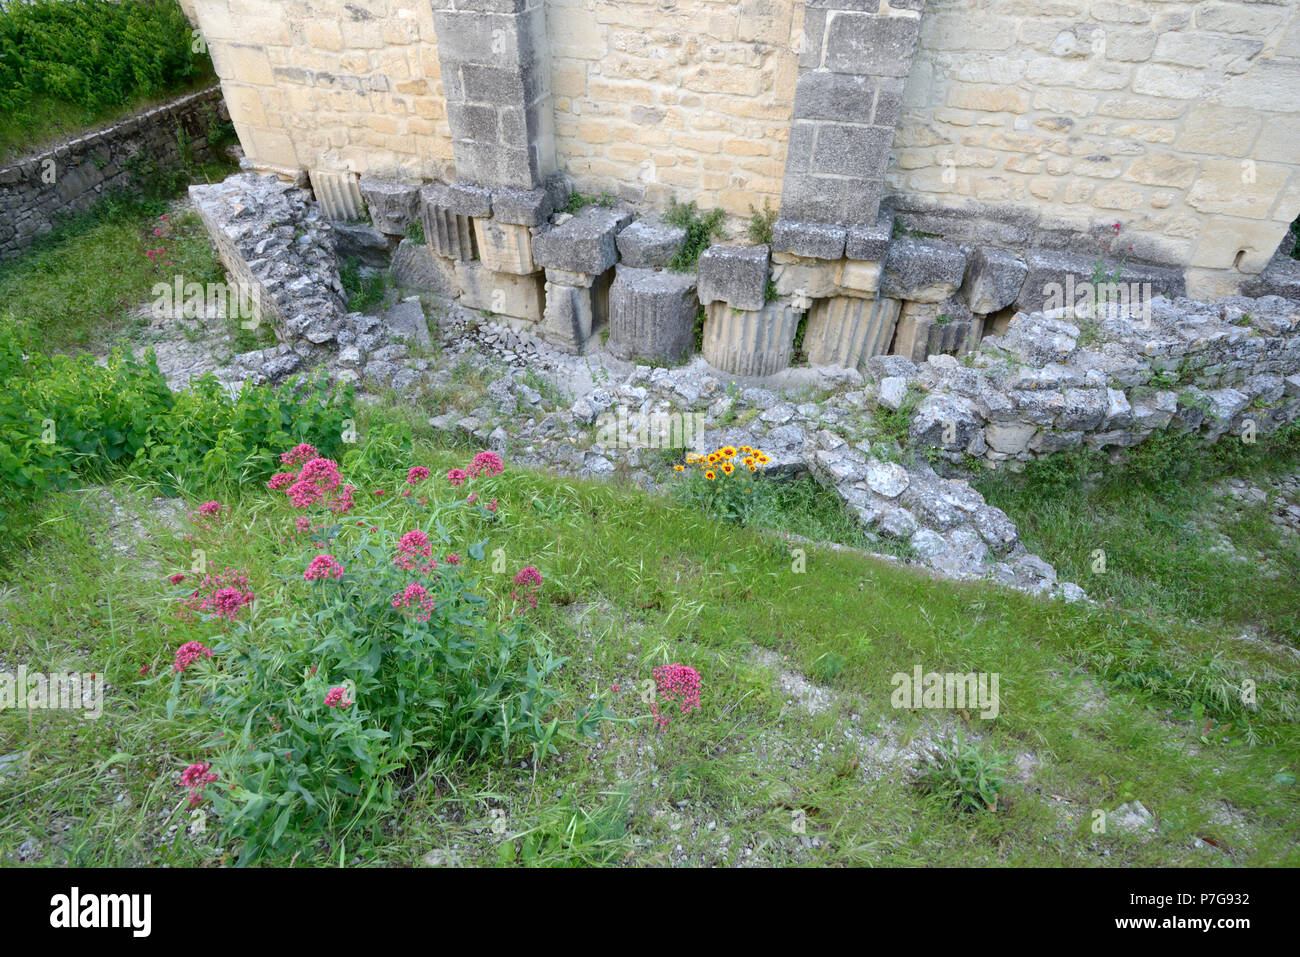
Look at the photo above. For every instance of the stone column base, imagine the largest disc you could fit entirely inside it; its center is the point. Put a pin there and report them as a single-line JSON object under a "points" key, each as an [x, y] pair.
{"points": [[846, 331], [748, 342]]}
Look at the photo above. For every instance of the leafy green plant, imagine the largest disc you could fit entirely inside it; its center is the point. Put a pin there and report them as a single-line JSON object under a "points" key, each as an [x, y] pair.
{"points": [[577, 201], [966, 776], [761, 224], [62, 416], [365, 288], [403, 666], [894, 423], [415, 231], [701, 229]]}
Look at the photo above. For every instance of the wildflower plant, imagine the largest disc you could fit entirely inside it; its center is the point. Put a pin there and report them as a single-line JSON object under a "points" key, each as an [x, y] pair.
{"points": [[379, 655], [724, 481]]}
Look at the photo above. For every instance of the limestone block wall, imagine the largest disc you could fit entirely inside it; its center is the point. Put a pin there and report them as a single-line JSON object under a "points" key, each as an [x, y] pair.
{"points": [[1043, 123], [332, 85], [684, 98], [1031, 126]]}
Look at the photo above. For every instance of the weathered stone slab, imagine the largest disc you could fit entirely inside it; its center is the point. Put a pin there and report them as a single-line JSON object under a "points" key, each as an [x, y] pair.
{"points": [[846, 331], [505, 247], [993, 279], [1060, 279], [585, 243], [736, 275], [392, 204], [416, 266], [749, 342], [811, 240], [500, 293], [859, 278], [804, 279], [651, 314], [406, 321], [922, 270], [870, 243], [649, 242], [521, 207]]}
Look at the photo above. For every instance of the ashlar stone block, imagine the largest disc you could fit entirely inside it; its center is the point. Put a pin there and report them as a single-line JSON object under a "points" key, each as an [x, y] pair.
{"points": [[649, 242], [500, 293], [505, 247], [922, 270], [736, 275], [993, 280], [585, 243]]}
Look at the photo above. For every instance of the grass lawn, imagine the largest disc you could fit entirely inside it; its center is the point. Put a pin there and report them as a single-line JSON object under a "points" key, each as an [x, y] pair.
{"points": [[79, 285], [633, 582]]}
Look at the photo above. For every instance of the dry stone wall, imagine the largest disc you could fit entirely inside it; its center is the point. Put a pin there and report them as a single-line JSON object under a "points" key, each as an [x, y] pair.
{"points": [[74, 175]]}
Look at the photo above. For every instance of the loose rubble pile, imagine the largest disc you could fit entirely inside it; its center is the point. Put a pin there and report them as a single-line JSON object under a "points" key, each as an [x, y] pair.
{"points": [[1043, 385]]}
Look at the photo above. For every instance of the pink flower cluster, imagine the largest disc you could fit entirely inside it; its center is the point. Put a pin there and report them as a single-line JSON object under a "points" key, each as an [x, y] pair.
{"points": [[323, 566], [343, 503], [337, 697], [411, 548], [314, 483], [189, 653], [207, 514], [528, 582], [417, 475], [673, 682], [196, 777], [416, 601], [222, 595], [298, 454], [486, 463]]}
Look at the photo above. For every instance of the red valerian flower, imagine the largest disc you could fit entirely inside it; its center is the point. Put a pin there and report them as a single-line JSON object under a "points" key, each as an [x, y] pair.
{"points": [[337, 697], [528, 581], [673, 682], [190, 652], [486, 463], [323, 566]]}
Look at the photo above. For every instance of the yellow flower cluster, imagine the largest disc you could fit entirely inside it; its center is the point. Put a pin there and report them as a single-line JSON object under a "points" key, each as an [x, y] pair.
{"points": [[724, 460]]}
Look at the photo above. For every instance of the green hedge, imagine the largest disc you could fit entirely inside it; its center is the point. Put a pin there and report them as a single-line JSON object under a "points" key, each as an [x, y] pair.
{"points": [[93, 53]]}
